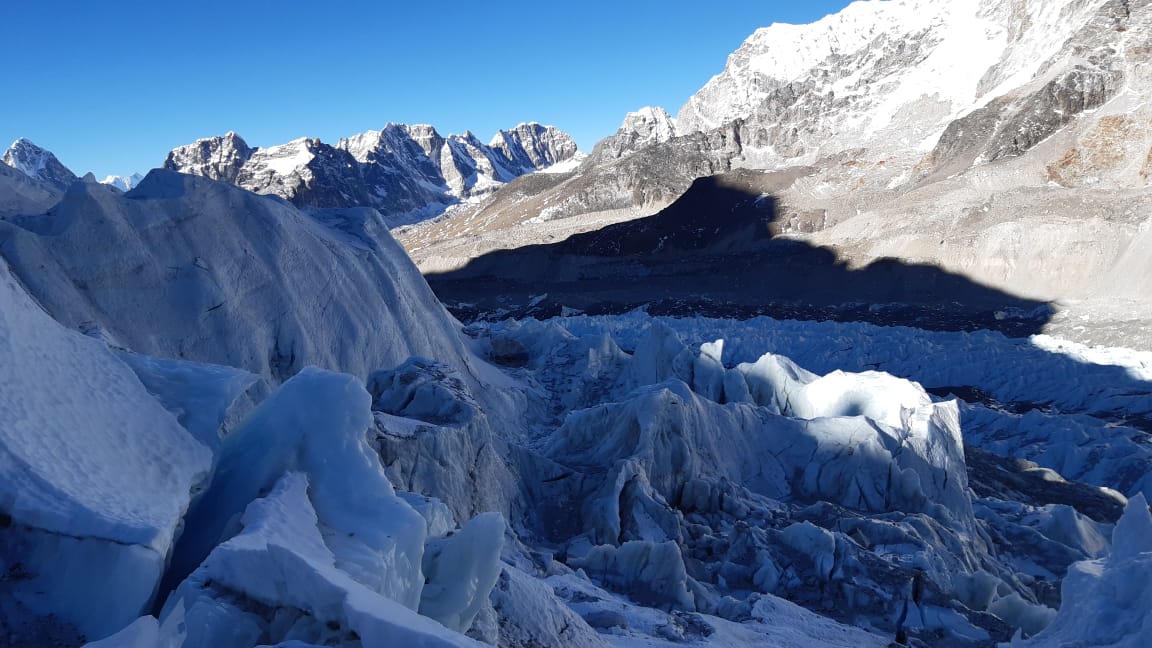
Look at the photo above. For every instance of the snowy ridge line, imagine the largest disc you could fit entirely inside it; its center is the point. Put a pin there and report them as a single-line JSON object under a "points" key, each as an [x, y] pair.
{"points": [[405, 171]]}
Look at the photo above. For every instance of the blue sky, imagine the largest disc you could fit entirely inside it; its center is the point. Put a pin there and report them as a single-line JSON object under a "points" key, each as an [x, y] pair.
{"points": [[111, 87]]}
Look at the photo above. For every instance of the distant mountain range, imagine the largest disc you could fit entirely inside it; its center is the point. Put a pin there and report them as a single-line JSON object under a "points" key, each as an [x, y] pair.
{"points": [[406, 172]]}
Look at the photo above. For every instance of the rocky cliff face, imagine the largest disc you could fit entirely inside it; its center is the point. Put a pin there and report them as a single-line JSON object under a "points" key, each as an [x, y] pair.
{"points": [[642, 128], [406, 172], [529, 147], [219, 158]]}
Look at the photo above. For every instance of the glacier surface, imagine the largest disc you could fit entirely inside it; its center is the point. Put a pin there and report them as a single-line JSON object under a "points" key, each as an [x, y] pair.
{"points": [[263, 429]]}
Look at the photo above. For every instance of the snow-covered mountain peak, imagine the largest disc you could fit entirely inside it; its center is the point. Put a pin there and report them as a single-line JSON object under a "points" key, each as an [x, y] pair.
{"points": [[894, 72], [219, 157], [38, 163], [641, 128], [653, 124], [123, 183], [406, 171]]}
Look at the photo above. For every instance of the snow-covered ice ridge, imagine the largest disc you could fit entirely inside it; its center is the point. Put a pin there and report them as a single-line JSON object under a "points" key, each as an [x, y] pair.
{"points": [[356, 469], [408, 172]]}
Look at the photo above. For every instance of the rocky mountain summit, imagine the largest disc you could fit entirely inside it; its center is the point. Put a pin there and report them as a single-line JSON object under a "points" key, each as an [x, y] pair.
{"points": [[407, 172], [968, 134], [39, 164]]}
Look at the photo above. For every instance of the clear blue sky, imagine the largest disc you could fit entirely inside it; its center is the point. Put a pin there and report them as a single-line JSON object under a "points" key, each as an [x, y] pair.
{"points": [[111, 87]]}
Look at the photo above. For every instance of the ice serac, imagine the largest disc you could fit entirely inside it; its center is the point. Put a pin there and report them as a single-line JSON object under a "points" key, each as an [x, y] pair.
{"points": [[1108, 602], [95, 477], [408, 172], [315, 424], [278, 580], [710, 479], [312, 563], [208, 272], [35, 162]]}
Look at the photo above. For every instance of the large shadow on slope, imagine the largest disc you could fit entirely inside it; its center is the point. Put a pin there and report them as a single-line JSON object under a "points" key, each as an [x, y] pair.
{"points": [[715, 251]]}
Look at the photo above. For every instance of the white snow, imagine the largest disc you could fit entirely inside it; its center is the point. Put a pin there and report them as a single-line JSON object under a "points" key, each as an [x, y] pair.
{"points": [[26, 157], [285, 159], [973, 51], [123, 183], [566, 166]]}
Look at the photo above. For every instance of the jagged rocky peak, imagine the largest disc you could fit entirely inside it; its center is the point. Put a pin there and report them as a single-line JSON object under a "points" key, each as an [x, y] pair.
{"points": [[645, 127], [424, 135], [408, 172], [219, 157], [38, 163], [531, 146], [393, 139], [650, 123]]}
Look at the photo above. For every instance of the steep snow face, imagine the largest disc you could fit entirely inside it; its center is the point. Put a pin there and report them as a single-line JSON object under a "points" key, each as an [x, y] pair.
{"points": [[205, 271], [35, 162], [406, 172], [285, 158], [882, 69], [95, 477], [123, 183]]}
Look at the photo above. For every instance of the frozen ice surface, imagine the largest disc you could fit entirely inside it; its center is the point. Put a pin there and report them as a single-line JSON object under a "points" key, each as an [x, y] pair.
{"points": [[200, 396], [86, 451], [280, 574], [1108, 602], [207, 272], [461, 570], [316, 423], [95, 475]]}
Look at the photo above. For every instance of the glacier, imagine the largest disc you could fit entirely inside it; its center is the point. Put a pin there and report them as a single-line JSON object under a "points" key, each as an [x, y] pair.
{"points": [[242, 418], [370, 471]]}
